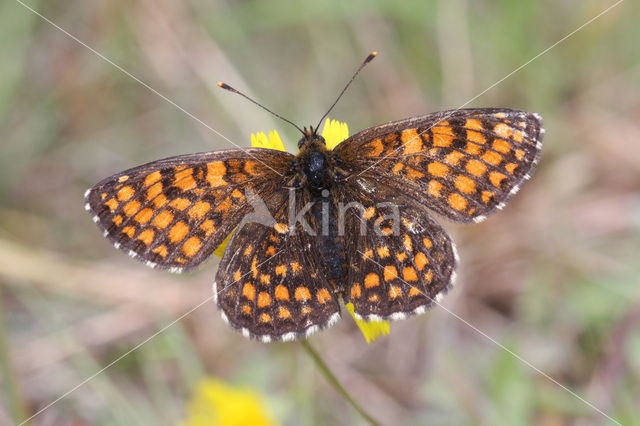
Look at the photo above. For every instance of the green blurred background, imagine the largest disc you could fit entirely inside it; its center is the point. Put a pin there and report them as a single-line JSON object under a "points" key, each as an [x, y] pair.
{"points": [[554, 277]]}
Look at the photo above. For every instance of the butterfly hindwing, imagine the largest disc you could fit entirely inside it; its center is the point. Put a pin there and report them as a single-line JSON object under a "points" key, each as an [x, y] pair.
{"points": [[400, 263], [174, 213], [463, 164], [270, 285]]}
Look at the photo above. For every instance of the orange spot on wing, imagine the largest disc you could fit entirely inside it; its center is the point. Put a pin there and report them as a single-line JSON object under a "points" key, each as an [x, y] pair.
{"points": [[413, 174], [519, 154], [421, 261], [457, 201], [390, 273], [356, 291], [249, 291], [368, 213], [112, 204], [453, 158], [475, 167], [510, 167], [237, 276], [409, 274], [192, 246], [383, 252], [374, 148], [395, 292], [117, 220], [492, 157], [398, 168], [427, 242], [465, 184], [306, 310], [146, 236], [502, 146], [438, 169], [250, 167], [281, 292], [265, 278], [129, 231], [496, 178], [161, 251], [281, 270], [411, 142], [144, 215], [154, 191], [198, 210], [502, 130], [208, 227], [284, 313], [178, 232], [180, 204], [486, 196], [264, 299], [428, 277], [152, 178], [225, 205], [473, 124], [281, 228], [246, 309], [401, 256], [323, 296], [434, 188], [371, 280], [163, 219], [125, 193], [215, 174], [131, 207], [442, 136], [413, 291], [295, 267], [265, 318], [184, 180], [408, 244], [302, 294]]}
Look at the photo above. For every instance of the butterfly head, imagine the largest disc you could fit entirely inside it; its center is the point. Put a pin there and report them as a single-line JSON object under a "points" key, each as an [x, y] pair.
{"points": [[311, 138]]}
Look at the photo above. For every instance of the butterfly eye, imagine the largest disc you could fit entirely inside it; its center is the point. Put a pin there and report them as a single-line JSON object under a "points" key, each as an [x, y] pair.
{"points": [[301, 142]]}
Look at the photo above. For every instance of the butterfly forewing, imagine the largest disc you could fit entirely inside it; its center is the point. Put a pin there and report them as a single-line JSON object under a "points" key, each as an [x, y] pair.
{"points": [[462, 164], [173, 213]]}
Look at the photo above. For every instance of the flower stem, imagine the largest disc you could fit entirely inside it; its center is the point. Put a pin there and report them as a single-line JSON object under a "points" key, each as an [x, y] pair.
{"points": [[333, 380]]}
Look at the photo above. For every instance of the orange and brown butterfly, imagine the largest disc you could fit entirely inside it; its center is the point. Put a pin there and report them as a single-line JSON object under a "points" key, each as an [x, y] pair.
{"points": [[287, 279]]}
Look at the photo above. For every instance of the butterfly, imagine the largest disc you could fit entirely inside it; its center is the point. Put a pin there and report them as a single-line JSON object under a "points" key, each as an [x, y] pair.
{"points": [[349, 224]]}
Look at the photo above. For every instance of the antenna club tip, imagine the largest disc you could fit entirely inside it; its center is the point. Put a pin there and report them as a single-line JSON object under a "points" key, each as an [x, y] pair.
{"points": [[370, 57], [221, 84]]}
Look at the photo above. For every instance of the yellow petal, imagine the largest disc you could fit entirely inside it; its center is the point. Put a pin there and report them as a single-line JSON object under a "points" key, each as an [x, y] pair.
{"points": [[334, 132], [372, 329], [215, 403]]}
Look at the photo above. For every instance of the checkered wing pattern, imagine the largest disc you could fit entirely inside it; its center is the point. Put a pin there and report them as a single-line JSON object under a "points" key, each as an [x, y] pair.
{"points": [[174, 213], [270, 285], [396, 269], [462, 164]]}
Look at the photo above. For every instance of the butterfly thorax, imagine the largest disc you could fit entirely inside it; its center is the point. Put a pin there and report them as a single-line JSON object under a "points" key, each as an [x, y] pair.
{"points": [[313, 163]]}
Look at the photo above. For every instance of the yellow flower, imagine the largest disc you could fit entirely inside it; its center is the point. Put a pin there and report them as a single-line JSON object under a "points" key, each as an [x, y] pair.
{"points": [[371, 329], [334, 132], [215, 403]]}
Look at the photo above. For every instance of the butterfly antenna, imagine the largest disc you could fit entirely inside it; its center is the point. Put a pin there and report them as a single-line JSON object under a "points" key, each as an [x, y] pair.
{"points": [[225, 86], [366, 61]]}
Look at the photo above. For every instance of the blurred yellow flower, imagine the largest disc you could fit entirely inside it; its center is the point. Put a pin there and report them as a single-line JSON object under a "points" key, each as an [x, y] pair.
{"points": [[370, 329], [215, 403]]}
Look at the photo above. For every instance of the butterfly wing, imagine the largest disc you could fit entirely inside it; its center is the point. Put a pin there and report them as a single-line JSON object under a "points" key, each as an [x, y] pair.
{"points": [[462, 164], [270, 285], [400, 259], [173, 213]]}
